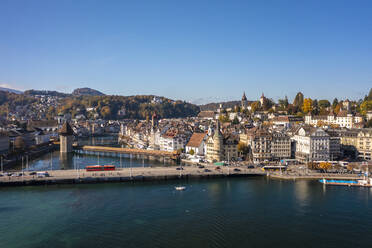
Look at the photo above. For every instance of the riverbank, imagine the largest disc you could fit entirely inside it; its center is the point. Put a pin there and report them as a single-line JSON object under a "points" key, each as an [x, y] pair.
{"points": [[314, 176], [128, 175], [28, 155], [154, 174]]}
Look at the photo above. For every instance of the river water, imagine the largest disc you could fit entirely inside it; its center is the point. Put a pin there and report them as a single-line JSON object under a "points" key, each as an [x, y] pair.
{"points": [[234, 212], [237, 212]]}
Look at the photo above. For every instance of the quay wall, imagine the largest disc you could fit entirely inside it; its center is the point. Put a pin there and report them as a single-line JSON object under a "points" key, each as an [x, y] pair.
{"points": [[125, 175]]}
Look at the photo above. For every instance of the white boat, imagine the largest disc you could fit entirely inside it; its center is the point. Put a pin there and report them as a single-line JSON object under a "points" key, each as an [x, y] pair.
{"points": [[180, 188]]}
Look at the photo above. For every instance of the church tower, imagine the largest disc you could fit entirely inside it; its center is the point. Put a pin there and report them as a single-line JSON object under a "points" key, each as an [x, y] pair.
{"points": [[244, 101], [262, 99], [66, 137], [154, 120], [215, 146]]}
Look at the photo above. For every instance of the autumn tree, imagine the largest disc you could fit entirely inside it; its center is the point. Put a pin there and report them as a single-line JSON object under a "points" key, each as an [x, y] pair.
{"points": [[106, 112], [366, 106], [223, 118], [243, 149], [267, 104], [307, 105], [325, 166], [337, 108], [255, 106]]}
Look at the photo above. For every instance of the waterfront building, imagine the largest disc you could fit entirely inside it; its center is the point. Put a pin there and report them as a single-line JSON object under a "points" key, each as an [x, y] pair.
{"points": [[172, 140], [230, 147], [364, 144], [197, 143], [312, 144], [280, 146], [66, 138], [214, 150]]}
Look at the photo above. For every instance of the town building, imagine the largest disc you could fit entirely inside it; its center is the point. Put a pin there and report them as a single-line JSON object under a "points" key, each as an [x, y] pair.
{"points": [[364, 144], [342, 119], [314, 144], [215, 150], [280, 146], [197, 143]]}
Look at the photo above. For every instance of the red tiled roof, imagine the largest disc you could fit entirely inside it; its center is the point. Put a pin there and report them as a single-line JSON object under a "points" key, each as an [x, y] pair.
{"points": [[196, 139], [206, 114]]}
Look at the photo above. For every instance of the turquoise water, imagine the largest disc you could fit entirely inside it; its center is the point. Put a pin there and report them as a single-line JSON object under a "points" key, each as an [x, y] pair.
{"points": [[238, 212]]}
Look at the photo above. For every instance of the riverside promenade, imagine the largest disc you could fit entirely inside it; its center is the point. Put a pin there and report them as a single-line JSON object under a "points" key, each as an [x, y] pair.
{"points": [[129, 174], [314, 176]]}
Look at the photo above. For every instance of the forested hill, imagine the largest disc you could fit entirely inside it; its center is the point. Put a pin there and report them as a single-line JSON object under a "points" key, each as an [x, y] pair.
{"points": [[47, 104], [87, 92], [118, 107]]}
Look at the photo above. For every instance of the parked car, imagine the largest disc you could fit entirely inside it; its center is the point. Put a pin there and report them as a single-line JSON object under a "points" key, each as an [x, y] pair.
{"points": [[250, 166], [32, 173], [179, 168], [217, 168], [201, 166], [207, 170], [237, 170]]}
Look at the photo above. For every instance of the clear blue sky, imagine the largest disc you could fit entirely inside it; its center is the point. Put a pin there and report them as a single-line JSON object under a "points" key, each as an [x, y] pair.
{"points": [[197, 51]]}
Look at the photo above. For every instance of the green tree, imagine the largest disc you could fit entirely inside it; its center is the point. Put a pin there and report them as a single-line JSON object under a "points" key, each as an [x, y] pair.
{"points": [[284, 102], [315, 107], [192, 152], [299, 100], [223, 118], [334, 103], [235, 121], [324, 104], [369, 97]]}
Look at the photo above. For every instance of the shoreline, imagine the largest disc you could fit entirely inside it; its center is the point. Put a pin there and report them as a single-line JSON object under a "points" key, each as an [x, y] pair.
{"points": [[141, 174], [126, 175]]}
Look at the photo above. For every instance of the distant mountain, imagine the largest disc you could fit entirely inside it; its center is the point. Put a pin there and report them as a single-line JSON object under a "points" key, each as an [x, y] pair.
{"points": [[11, 90], [87, 92], [45, 93]]}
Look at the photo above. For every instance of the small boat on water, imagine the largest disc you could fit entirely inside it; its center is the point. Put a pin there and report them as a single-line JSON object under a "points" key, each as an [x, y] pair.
{"points": [[180, 188]]}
